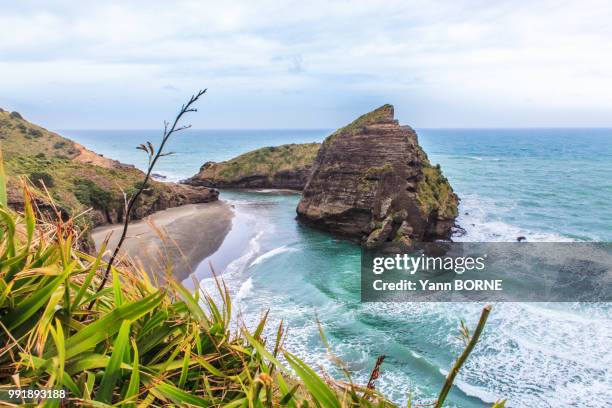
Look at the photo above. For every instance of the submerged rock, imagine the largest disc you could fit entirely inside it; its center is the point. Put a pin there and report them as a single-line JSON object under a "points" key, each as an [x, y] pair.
{"points": [[372, 181]]}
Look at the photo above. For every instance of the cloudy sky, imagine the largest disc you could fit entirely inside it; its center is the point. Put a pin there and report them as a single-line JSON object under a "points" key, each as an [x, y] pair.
{"points": [[314, 64]]}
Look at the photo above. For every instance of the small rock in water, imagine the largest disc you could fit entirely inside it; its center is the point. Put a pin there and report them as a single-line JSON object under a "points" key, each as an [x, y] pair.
{"points": [[521, 239], [457, 231], [158, 176]]}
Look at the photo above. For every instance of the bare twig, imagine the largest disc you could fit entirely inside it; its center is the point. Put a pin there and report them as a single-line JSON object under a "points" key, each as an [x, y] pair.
{"points": [[153, 157], [450, 378], [375, 372]]}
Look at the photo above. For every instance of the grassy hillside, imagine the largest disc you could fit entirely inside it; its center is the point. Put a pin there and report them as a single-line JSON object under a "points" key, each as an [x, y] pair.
{"points": [[66, 169], [20, 137]]}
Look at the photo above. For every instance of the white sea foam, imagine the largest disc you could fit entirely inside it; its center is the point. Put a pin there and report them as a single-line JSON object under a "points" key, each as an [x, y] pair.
{"points": [[481, 158], [245, 289], [473, 391], [476, 217], [233, 274], [240, 264], [272, 253]]}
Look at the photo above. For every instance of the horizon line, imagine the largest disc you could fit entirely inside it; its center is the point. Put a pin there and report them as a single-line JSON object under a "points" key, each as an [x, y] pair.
{"points": [[334, 128]]}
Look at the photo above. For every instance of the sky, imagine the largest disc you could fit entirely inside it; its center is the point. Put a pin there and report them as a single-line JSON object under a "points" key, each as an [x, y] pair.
{"points": [[315, 64]]}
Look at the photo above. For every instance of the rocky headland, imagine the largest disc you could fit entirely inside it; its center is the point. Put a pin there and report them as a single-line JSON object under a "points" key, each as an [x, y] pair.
{"points": [[281, 167], [79, 180], [372, 182]]}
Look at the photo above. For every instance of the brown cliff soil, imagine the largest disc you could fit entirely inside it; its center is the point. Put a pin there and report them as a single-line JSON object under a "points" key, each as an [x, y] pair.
{"points": [[371, 181]]}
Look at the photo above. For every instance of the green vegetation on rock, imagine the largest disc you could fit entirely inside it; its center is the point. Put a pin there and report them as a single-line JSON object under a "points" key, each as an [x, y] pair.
{"points": [[263, 162], [382, 114], [434, 192]]}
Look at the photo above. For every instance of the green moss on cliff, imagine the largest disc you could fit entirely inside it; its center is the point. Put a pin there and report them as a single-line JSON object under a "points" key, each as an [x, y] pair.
{"points": [[266, 161], [434, 193]]}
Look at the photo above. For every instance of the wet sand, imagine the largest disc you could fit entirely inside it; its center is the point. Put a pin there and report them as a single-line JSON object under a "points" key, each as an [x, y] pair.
{"points": [[179, 238]]}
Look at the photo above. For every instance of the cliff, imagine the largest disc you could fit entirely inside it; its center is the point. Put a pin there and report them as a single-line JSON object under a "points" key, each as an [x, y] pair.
{"points": [[372, 181], [282, 167], [78, 179]]}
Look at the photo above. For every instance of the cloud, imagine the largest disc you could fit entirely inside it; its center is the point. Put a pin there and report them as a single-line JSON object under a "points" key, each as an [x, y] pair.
{"points": [[336, 56]]}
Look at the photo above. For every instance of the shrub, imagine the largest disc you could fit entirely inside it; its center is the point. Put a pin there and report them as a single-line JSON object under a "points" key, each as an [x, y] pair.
{"points": [[59, 144], [38, 176], [16, 115], [35, 133], [91, 195]]}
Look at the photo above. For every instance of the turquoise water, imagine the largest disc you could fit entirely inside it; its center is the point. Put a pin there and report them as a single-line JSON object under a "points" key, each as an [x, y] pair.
{"points": [[547, 184]]}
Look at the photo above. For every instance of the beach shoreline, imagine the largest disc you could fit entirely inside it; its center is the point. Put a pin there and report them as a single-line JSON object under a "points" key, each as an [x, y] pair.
{"points": [[175, 239]]}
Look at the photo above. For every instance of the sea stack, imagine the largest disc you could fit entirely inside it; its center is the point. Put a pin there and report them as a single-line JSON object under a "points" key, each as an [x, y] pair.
{"points": [[371, 181]]}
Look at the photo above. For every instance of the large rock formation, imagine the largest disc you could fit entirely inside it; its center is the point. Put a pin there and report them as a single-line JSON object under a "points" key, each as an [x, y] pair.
{"points": [[372, 181], [281, 167], [77, 178]]}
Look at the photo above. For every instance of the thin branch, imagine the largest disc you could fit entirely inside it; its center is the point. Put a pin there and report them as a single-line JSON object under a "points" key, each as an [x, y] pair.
{"points": [[130, 207], [375, 373], [466, 352]]}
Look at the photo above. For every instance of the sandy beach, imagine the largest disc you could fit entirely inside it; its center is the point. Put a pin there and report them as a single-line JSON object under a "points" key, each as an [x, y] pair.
{"points": [[179, 237]]}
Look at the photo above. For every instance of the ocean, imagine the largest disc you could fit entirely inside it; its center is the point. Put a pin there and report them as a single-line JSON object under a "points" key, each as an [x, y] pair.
{"points": [[544, 184]]}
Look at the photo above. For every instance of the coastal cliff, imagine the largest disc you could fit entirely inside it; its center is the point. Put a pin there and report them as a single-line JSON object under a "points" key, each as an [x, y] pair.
{"points": [[372, 181], [78, 179], [281, 167]]}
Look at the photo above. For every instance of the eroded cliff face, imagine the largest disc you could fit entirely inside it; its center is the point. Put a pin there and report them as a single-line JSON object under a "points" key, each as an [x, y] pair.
{"points": [[372, 181]]}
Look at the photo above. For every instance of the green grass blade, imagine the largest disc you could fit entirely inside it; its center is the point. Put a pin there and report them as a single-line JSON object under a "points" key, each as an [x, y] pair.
{"points": [[262, 351], [94, 333], [28, 307], [3, 182], [317, 387], [29, 217], [89, 386], [134, 385], [58, 338], [117, 288], [178, 396], [184, 369], [113, 369], [92, 271]]}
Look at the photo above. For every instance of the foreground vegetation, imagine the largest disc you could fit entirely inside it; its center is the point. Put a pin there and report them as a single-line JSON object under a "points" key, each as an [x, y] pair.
{"points": [[139, 344]]}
